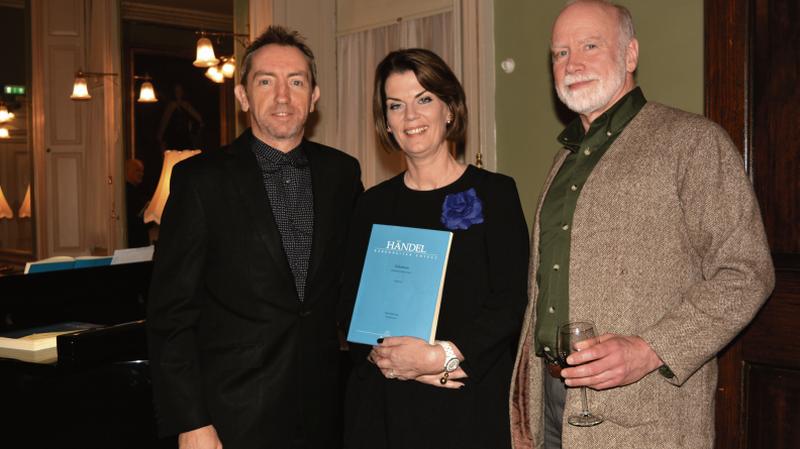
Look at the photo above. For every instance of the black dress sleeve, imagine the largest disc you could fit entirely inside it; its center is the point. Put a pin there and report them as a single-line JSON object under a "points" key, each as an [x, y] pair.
{"points": [[495, 327]]}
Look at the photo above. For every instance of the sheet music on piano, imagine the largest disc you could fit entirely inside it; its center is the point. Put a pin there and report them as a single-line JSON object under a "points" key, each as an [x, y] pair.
{"points": [[133, 255]]}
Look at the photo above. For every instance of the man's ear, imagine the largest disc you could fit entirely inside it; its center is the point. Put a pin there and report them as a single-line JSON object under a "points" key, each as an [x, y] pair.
{"points": [[314, 99], [632, 56], [241, 95]]}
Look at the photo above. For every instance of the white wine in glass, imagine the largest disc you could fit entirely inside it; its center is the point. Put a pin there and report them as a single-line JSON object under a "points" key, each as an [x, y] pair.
{"points": [[569, 335]]}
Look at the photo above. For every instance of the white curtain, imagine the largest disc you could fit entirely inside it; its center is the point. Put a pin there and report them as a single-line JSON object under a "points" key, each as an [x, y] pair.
{"points": [[357, 55]]}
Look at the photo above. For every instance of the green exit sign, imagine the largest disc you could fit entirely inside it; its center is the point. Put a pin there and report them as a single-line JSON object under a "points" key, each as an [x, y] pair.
{"points": [[14, 90]]}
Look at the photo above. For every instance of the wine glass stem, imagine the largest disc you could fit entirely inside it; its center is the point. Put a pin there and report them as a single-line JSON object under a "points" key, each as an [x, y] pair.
{"points": [[584, 402]]}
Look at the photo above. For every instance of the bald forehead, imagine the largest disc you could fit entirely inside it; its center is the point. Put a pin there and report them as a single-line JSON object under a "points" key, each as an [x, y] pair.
{"points": [[587, 16], [134, 164]]}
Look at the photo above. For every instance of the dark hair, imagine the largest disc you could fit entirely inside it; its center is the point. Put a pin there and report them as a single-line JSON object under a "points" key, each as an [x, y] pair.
{"points": [[279, 35], [436, 77]]}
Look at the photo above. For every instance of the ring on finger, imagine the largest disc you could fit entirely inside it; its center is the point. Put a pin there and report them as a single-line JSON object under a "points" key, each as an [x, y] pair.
{"points": [[390, 375]]}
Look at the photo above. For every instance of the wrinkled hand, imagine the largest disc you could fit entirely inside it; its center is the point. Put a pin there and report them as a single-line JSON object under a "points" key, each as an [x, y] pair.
{"points": [[201, 438], [615, 361]]}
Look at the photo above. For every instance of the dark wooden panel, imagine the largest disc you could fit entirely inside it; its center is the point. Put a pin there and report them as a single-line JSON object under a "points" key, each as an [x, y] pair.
{"points": [[726, 68], [774, 407], [752, 56], [774, 336], [776, 120], [726, 102]]}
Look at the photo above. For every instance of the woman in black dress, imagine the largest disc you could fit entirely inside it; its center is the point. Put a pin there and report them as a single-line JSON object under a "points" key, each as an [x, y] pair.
{"points": [[403, 392]]}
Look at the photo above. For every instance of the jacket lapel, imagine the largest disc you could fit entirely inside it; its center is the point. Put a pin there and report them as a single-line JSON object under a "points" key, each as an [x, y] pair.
{"points": [[246, 175]]}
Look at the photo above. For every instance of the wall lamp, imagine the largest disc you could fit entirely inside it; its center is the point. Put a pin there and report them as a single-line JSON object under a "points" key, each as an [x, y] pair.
{"points": [[218, 68], [147, 94], [5, 209], [5, 114], [80, 89], [5, 117], [156, 206]]}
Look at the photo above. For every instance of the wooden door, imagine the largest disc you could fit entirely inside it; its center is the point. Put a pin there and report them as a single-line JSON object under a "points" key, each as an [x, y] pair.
{"points": [[77, 164], [752, 66]]}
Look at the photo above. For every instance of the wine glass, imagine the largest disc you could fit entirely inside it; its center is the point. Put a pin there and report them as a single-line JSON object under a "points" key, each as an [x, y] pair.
{"points": [[568, 335]]}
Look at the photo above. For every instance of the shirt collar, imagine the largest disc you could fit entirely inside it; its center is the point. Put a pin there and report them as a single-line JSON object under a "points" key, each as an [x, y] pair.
{"points": [[296, 156], [609, 124]]}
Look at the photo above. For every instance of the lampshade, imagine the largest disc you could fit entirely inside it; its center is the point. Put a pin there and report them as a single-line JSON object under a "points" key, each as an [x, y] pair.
{"points": [[5, 210], [4, 133], [159, 200], [228, 67], [5, 116], [25, 208], [205, 54], [147, 94], [80, 91], [214, 74]]}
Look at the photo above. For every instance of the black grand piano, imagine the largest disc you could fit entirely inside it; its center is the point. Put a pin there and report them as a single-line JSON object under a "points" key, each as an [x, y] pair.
{"points": [[98, 393]]}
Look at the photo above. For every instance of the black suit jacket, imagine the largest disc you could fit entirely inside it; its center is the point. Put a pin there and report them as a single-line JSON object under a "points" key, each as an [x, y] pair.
{"points": [[230, 343]]}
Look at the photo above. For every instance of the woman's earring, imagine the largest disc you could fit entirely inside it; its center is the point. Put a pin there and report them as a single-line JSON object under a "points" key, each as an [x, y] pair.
{"points": [[449, 120]]}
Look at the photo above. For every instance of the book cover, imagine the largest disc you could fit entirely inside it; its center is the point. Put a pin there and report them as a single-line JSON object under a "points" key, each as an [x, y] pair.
{"points": [[50, 264], [37, 344], [401, 284], [58, 263]]}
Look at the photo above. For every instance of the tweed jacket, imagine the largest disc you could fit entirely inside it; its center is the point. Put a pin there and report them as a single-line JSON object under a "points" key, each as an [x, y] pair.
{"points": [[668, 244]]}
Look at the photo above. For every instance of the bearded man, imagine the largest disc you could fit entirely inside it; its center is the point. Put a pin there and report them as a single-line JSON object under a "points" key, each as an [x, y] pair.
{"points": [[241, 314], [649, 228]]}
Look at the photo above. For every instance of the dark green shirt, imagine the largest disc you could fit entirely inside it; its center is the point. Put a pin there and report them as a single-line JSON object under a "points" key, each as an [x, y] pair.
{"points": [[585, 151]]}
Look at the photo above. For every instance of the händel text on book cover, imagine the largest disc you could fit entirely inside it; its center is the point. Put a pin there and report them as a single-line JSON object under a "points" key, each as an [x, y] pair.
{"points": [[401, 284]]}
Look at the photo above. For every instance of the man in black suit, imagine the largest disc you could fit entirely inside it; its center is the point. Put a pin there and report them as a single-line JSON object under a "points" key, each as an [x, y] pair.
{"points": [[241, 314]]}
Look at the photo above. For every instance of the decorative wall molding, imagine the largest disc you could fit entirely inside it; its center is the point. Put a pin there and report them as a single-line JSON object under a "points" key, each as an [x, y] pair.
{"points": [[187, 18], [65, 124], [67, 173], [60, 24]]}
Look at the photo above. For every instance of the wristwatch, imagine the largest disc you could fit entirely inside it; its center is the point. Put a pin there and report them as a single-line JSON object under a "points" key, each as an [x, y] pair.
{"points": [[451, 362]]}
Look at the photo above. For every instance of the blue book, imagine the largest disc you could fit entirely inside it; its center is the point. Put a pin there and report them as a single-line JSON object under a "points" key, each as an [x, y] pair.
{"points": [[91, 262], [56, 263], [401, 284], [59, 263]]}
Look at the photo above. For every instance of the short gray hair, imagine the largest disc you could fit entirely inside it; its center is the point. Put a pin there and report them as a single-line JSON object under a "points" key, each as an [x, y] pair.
{"points": [[626, 28]]}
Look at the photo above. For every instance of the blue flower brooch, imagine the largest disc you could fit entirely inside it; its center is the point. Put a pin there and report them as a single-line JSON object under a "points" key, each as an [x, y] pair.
{"points": [[462, 210]]}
